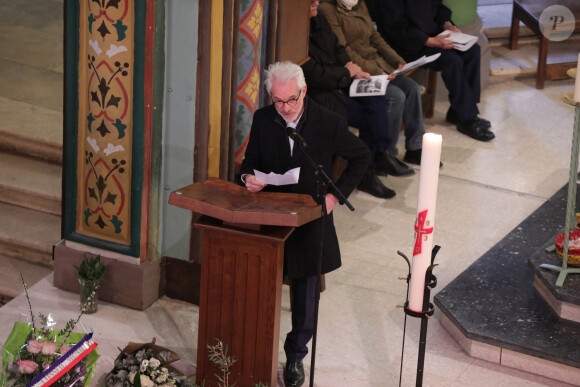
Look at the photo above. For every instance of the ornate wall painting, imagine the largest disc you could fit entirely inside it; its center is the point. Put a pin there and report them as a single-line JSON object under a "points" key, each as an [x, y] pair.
{"points": [[109, 125]]}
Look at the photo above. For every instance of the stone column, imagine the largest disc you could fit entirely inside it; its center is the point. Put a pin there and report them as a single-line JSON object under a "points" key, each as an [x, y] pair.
{"points": [[107, 148]]}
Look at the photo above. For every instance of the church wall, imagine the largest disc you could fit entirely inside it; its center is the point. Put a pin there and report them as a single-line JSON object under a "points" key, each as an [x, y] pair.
{"points": [[179, 122]]}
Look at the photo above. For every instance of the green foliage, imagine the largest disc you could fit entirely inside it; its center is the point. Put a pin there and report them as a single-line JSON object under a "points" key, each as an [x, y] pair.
{"points": [[90, 269], [218, 354], [137, 380]]}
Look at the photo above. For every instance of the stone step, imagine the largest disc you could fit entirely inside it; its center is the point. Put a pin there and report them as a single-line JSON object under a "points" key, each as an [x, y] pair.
{"points": [[31, 130], [28, 234], [30, 183], [10, 280]]}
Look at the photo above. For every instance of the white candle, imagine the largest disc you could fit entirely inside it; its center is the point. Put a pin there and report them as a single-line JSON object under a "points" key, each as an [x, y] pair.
{"points": [[577, 84], [425, 221]]}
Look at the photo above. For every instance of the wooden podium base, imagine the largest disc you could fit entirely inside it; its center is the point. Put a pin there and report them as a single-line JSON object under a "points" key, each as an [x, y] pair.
{"points": [[241, 273], [241, 288]]}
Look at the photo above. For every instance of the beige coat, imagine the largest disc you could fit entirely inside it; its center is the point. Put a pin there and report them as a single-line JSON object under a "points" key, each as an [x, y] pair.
{"points": [[354, 30]]}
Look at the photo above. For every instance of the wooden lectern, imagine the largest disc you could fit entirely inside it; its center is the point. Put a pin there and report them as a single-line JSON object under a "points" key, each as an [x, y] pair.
{"points": [[241, 273]]}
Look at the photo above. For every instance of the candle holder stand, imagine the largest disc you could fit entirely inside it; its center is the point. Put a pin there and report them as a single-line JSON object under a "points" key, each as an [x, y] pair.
{"points": [[571, 220], [424, 315]]}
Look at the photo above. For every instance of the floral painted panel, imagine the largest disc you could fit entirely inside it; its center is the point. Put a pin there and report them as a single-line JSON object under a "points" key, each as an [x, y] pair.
{"points": [[105, 119], [249, 57]]}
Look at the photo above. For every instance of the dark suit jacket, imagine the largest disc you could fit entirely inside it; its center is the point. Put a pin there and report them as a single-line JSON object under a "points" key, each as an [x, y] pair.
{"points": [[406, 25], [327, 136], [325, 73]]}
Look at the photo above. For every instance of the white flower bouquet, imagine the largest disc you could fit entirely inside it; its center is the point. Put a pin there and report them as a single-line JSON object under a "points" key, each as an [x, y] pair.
{"points": [[147, 365]]}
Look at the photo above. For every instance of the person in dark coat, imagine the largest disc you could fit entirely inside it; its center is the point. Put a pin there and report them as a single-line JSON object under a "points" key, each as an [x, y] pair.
{"points": [[329, 72], [413, 31], [271, 150]]}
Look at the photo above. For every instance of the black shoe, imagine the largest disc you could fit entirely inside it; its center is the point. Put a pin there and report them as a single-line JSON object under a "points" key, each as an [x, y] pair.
{"points": [[476, 129], [387, 164], [414, 157], [452, 118], [484, 121], [294, 374], [371, 184]]}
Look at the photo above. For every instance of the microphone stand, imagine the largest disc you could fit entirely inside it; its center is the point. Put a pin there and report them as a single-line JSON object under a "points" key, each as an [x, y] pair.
{"points": [[323, 183]]}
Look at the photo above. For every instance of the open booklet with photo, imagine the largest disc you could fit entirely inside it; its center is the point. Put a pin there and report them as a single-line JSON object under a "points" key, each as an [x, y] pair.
{"points": [[376, 85], [461, 41]]}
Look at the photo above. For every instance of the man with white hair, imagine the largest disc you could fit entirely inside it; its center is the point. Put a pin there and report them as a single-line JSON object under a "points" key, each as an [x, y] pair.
{"points": [[271, 150]]}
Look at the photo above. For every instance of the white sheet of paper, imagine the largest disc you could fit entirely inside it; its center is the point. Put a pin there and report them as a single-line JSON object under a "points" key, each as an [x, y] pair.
{"points": [[417, 63], [290, 177]]}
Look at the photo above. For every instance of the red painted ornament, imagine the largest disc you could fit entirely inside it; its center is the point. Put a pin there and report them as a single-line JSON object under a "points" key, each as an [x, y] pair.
{"points": [[420, 230]]}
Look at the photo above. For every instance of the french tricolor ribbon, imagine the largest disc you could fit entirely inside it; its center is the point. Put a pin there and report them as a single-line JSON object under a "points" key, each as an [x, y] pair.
{"points": [[65, 363]]}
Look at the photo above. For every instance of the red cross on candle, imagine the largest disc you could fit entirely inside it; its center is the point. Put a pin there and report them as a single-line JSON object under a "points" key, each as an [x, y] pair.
{"points": [[420, 230]]}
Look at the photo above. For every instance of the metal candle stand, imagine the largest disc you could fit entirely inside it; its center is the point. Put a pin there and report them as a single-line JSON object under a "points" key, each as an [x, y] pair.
{"points": [[424, 315], [564, 270]]}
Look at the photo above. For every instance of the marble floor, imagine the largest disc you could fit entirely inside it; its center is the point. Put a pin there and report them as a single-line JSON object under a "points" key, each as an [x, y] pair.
{"points": [[485, 190]]}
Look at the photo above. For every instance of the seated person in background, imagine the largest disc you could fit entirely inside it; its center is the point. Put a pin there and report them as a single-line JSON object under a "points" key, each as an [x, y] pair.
{"points": [[414, 31], [354, 30], [328, 71], [270, 150]]}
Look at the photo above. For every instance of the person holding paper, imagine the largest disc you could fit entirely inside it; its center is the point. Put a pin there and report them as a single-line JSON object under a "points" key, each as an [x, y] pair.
{"points": [[269, 150], [415, 31], [352, 25], [329, 72]]}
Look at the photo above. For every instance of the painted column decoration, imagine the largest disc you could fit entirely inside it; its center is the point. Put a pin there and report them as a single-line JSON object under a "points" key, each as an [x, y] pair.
{"points": [[248, 91], [105, 121], [105, 131]]}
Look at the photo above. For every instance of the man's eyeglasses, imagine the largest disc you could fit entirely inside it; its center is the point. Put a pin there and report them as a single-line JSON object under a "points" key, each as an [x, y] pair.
{"points": [[291, 102]]}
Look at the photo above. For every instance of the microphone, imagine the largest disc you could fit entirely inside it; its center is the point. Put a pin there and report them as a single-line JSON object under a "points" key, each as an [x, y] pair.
{"points": [[293, 134]]}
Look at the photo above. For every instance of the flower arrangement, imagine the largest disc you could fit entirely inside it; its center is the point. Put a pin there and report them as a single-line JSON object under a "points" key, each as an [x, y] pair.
{"points": [[90, 273], [147, 365], [39, 356], [151, 365]]}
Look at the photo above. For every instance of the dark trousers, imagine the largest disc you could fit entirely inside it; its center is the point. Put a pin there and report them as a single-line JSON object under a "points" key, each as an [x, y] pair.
{"points": [[461, 75], [303, 293], [369, 116]]}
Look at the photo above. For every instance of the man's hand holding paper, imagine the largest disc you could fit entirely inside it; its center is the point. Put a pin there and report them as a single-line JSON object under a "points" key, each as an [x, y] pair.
{"points": [[253, 184], [290, 177]]}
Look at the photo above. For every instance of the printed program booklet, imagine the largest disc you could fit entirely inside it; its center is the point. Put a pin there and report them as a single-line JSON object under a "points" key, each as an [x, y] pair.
{"points": [[461, 41], [377, 85], [417, 63]]}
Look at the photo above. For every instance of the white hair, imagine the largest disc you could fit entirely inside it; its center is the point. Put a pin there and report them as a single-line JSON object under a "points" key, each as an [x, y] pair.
{"points": [[285, 72]]}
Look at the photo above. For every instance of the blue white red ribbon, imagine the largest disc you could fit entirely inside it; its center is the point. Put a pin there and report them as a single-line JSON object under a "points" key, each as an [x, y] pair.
{"points": [[65, 363]]}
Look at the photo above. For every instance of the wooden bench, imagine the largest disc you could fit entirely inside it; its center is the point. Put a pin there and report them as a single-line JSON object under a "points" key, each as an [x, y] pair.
{"points": [[528, 12]]}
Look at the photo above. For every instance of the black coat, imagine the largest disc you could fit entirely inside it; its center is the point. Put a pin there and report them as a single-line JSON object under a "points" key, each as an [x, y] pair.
{"points": [[406, 25], [327, 136], [325, 73]]}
